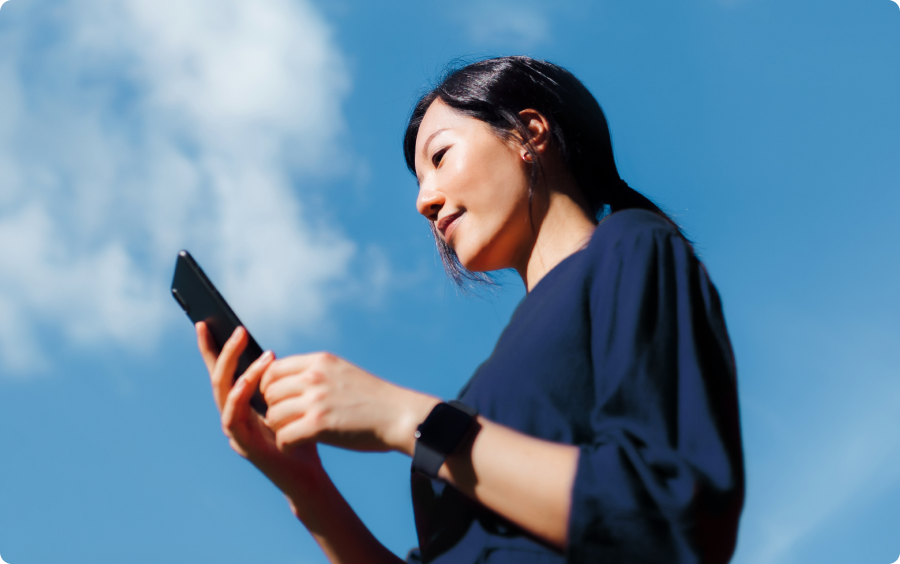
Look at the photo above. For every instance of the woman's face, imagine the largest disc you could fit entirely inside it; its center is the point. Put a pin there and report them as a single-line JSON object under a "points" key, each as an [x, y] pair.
{"points": [[474, 186]]}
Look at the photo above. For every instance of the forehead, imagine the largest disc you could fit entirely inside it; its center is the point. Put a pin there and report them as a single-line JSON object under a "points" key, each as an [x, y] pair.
{"points": [[439, 116]]}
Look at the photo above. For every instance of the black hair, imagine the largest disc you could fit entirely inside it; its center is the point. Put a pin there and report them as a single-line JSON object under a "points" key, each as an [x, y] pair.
{"points": [[494, 91]]}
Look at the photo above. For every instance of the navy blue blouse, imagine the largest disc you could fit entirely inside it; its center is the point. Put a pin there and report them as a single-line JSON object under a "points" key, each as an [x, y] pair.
{"points": [[621, 349]]}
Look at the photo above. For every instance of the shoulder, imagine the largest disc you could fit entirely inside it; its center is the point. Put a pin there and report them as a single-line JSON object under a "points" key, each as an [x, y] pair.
{"points": [[631, 223], [633, 231]]}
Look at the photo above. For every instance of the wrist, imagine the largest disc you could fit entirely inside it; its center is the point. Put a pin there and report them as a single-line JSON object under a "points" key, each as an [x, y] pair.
{"points": [[309, 495], [297, 473], [402, 437]]}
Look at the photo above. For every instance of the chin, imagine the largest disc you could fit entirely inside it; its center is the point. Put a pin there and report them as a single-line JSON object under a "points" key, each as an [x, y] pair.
{"points": [[467, 261], [479, 255], [477, 262]]}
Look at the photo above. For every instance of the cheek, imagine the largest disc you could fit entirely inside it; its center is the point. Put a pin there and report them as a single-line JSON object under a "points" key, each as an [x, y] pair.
{"points": [[498, 222], [505, 195], [494, 178]]}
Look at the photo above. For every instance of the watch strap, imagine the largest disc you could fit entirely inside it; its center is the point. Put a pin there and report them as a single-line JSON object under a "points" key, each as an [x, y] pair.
{"points": [[428, 458], [470, 411]]}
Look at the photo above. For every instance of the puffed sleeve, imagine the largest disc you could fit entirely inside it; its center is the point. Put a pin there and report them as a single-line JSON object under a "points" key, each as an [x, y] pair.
{"points": [[662, 480]]}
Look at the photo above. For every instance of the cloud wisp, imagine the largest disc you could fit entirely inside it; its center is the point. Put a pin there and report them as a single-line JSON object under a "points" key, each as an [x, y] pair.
{"points": [[494, 23], [831, 451], [130, 129]]}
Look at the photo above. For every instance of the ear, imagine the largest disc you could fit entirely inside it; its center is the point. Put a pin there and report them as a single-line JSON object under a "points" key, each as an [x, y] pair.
{"points": [[538, 131]]}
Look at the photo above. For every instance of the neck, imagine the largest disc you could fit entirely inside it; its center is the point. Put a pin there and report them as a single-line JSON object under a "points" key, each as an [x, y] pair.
{"points": [[564, 228]]}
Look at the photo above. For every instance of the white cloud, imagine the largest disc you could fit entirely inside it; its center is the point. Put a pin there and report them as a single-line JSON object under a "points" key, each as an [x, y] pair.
{"points": [[132, 128]]}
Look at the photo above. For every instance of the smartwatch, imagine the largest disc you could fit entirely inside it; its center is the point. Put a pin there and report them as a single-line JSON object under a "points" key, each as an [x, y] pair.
{"points": [[442, 432]]}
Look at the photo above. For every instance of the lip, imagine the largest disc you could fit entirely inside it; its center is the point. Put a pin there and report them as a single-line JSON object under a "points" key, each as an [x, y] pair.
{"points": [[447, 224]]}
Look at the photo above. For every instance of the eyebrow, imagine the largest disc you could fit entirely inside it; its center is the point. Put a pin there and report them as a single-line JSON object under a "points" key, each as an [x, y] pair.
{"points": [[430, 137]]}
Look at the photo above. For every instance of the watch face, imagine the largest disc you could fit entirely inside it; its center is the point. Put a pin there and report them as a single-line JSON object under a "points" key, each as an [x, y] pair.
{"points": [[444, 428]]}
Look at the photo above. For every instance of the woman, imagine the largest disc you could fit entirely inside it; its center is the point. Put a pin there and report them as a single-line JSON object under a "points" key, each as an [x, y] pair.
{"points": [[607, 426]]}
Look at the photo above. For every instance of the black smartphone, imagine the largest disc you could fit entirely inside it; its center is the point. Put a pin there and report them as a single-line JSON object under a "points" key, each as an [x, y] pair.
{"points": [[200, 300]]}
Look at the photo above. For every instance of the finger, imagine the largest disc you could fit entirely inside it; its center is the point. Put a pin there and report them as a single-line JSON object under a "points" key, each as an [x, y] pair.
{"points": [[285, 412], [297, 432], [237, 403], [289, 365], [223, 373], [286, 388], [208, 349]]}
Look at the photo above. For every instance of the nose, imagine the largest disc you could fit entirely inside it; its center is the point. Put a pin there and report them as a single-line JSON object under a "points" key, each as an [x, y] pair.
{"points": [[429, 203]]}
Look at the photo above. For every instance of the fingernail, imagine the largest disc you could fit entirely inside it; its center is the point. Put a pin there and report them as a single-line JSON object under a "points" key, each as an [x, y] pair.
{"points": [[267, 356]]}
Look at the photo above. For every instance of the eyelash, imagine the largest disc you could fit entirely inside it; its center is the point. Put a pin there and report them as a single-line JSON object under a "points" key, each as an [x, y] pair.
{"points": [[438, 156]]}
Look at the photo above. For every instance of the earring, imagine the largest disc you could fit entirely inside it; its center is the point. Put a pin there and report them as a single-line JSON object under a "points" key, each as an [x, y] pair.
{"points": [[527, 157]]}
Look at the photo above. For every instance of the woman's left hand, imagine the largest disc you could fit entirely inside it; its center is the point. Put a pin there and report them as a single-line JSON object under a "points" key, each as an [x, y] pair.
{"points": [[323, 398]]}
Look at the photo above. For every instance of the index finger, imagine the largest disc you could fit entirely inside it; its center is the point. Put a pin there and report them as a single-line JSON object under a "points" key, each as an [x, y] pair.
{"points": [[222, 376], [237, 402]]}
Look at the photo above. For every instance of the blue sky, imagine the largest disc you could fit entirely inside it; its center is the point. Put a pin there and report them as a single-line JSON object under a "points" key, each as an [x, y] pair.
{"points": [[265, 137]]}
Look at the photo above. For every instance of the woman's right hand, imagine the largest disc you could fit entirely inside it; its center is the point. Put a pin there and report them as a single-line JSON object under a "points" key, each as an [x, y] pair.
{"points": [[247, 432]]}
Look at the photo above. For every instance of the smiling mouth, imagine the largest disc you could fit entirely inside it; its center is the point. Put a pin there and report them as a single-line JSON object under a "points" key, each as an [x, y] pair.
{"points": [[447, 223]]}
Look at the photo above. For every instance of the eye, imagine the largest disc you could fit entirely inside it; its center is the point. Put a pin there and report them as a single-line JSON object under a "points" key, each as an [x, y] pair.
{"points": [[438, 156]]}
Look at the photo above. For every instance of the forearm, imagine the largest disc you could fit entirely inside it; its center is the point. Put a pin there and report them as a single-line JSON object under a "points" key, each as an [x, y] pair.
{"points": [[524, 479], [334, 525]]}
